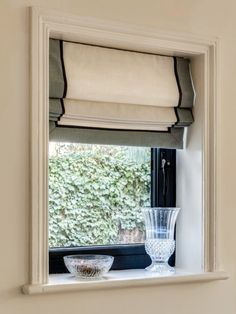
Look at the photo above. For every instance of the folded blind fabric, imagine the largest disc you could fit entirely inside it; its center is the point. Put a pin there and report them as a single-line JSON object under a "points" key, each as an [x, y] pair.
{"points": [[116, 76], [116, 116], [171, 139], [111, 89]]}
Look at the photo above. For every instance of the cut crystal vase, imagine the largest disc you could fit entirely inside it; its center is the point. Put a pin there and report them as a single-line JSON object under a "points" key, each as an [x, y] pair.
{"points": [[160, 243]]}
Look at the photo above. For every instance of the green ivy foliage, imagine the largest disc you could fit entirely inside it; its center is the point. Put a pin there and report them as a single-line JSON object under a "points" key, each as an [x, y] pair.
{"points": [[94, 194]]}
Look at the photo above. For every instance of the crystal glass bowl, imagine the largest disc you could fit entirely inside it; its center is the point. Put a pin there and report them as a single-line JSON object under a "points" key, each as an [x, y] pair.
{"points": [[88, 266]]}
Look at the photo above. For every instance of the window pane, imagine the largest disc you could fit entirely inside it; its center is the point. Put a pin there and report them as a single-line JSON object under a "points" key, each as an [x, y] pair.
{"points": [[95, 194]]}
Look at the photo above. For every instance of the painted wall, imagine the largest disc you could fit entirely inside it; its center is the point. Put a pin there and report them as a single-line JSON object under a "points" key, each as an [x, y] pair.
{"points": [[210, 17]]}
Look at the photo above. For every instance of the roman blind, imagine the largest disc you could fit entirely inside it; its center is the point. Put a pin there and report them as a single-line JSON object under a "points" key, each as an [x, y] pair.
{"points": [[111, 96]]}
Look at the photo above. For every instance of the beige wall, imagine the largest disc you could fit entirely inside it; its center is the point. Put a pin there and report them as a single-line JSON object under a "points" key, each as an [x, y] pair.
{"points": [[210, 17]]}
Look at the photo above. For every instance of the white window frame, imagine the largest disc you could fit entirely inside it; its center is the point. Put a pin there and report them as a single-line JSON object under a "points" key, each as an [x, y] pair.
{"points": [[46, 23]]}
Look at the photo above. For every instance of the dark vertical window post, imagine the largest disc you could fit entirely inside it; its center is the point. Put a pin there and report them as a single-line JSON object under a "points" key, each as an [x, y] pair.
{"points": [[163, 177], [163, 180]]}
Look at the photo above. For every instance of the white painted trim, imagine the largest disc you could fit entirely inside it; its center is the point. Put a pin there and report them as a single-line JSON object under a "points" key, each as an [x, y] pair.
{"points": [[45, 23], [119, 279]]}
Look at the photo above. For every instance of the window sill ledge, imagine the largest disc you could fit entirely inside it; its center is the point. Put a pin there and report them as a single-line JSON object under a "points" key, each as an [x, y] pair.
{"points": [[120, 279]]}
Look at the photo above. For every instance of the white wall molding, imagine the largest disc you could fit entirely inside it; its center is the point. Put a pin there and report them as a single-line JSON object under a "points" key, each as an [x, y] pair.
{"points": [[120, 279], [45, 23]]}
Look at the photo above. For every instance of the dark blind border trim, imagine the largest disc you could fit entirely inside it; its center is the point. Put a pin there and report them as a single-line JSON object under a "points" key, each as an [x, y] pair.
{"points": [[63, 70], [63, 108], [178, 83], [110, 129]]}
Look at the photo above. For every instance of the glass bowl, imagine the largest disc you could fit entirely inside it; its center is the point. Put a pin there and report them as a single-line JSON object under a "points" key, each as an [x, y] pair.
{"points": [[88, 265]]}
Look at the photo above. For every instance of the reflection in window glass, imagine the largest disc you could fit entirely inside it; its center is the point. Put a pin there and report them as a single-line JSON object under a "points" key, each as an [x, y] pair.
{"points": [[95, 194]]}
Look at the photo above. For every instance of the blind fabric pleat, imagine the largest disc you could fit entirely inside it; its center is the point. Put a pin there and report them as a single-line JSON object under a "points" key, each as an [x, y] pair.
{"points": [[174, 137], [116, 76], [116, 115], [121, 95], [56, 77], [183, 77]]}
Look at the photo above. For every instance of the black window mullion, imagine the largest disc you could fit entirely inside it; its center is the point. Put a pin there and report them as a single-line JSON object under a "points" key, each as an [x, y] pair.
{"points": [[154, 176], [163, 177], [167, 159], [166, 173]]}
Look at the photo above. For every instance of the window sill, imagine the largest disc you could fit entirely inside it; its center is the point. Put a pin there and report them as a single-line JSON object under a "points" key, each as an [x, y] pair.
{"points": [[120, 279]]}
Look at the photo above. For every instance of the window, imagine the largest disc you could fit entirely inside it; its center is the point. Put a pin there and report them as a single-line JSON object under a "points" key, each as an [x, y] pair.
{"points": [[197, 185], [99, 94], [95, 197]]}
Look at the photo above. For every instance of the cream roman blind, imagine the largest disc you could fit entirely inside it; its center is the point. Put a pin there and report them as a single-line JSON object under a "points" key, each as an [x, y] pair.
{"points": [[112, 96]]}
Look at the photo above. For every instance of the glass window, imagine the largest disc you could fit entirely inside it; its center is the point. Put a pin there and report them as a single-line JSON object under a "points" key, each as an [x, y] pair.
{"points": [[96, 192]]}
